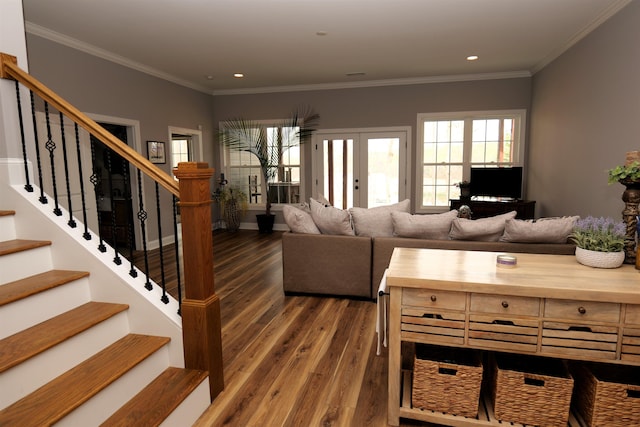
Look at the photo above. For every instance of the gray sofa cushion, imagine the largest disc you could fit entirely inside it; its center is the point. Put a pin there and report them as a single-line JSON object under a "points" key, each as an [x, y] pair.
{"points": [[434, 226], [374, 222]]}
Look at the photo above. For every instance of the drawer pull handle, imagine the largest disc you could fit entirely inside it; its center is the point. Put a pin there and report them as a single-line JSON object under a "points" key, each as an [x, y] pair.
{"points": [[533, 381], [503, 322], [432, 316], [505, 304], [447, 371], [582, 310], [580, 329], [433, 298]]}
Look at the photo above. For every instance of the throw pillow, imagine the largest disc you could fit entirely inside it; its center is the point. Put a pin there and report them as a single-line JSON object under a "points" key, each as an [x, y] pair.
{"points": [[434, 226], [543, 230], [330, 220], [376, 222], [483, 229], [299, 221]]}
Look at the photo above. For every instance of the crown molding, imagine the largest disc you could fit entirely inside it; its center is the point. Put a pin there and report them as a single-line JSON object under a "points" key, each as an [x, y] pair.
{"points": [[606, 14], [62, 39], [376, 83]]}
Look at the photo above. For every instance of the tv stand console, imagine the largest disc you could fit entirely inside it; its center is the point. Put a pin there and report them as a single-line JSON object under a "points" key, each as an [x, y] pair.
{"points": [[485, 208]]}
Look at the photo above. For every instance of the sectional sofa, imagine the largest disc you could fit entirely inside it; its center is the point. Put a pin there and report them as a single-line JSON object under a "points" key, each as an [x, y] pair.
{"points": [[344, 253]]}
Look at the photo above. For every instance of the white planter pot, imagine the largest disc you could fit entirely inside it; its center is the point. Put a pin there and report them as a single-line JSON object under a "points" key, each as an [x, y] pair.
{"points": [[599, 259]]}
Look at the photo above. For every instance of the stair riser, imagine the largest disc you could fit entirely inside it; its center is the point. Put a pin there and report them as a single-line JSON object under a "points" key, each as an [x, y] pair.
{"points": [[26, 263], [191, 408], [37, 308], [7, 228], [106, 402], [33, 373]]}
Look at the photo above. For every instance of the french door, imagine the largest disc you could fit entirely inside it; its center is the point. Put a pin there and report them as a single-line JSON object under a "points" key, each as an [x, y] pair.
{"points": [[363, 169]]}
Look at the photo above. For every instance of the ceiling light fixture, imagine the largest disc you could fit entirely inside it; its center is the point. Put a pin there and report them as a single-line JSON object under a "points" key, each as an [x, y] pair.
{"points": [[238, 75], [321, 33], [356, 74], [472, 57]]}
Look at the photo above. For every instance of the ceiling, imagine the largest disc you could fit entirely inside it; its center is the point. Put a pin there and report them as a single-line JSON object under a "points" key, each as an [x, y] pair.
{"points": [[304, 44]]}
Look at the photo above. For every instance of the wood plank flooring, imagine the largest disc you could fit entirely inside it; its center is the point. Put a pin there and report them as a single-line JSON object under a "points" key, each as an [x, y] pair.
{"points": [[291, 360]]}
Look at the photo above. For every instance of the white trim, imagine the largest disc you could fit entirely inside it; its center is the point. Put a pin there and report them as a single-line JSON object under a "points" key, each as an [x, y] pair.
{"points": [[196, 134], [518, 156], [64, 40]]}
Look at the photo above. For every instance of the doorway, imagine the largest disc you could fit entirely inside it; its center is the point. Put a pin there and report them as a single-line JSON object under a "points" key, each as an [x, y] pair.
{"points": [[113, 190], [366, 168]]}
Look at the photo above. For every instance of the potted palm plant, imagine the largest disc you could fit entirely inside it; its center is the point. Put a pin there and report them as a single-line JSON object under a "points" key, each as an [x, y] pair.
{"points": [[250, 136]]}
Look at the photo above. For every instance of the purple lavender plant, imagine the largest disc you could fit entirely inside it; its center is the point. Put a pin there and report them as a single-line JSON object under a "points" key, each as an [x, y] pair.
{"points": [[599, 234]]}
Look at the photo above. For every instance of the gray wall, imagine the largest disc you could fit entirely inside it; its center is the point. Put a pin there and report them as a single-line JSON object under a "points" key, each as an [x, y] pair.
{"points": [[97, 86], [378, 106], [585, 116]]}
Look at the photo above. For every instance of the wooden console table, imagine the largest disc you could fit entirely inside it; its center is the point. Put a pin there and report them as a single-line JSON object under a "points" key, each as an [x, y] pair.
{"points": [[525, 209], [548, 305]]}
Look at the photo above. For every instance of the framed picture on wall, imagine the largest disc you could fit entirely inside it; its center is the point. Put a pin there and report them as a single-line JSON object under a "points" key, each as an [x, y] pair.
{"points": [[155, 152]]}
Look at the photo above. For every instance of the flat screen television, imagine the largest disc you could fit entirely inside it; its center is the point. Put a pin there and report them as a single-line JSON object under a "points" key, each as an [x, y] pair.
{"points": [[496, 182]]}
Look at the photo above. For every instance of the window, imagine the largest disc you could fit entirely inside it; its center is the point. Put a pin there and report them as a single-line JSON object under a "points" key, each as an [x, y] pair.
{"points": [[282, 153], [180, 149], [449, 144]]}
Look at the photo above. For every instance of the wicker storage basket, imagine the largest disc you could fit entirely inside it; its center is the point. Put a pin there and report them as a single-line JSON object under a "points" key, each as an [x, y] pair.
{"points": [[607, 395], [531, 390], [447, 380]]}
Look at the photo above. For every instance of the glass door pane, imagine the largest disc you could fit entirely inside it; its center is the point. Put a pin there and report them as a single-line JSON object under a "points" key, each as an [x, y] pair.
{"points": [[383, 171], [338, 171]]}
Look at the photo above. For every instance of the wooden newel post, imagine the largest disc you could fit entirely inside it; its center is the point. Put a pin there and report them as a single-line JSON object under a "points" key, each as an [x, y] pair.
{"points": [[201, 328]]}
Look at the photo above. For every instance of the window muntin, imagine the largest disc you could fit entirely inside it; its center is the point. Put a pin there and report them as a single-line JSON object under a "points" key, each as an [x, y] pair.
{"points": [[285, 182], [452, 143]]}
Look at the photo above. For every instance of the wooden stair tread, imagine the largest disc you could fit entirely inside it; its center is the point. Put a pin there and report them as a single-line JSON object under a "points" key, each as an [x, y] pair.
{"points": [[32, 285], [56, 399], [38, 338], [7, 213], [17, 245], [156, 401]]}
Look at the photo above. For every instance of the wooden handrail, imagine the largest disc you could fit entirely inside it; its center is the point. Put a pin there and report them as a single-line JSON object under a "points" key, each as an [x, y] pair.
{"points": [[9, 70]]}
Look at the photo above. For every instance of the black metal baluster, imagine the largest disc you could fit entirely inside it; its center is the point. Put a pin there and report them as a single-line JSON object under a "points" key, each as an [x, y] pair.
{"points": [[27, 186], [86, 234], [142, 217], [114, 230], [51, 146], [72, 222], [129, 207], [96, 180], [176, 241], [42, 198], [164, 298]]}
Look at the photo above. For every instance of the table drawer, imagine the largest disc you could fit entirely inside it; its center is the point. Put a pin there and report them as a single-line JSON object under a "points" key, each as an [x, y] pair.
{"points": [[633, 315], [432, 326], [596, 341], [434, 299], [499, 304], [630, 345], [582, 310], [503, 332]]}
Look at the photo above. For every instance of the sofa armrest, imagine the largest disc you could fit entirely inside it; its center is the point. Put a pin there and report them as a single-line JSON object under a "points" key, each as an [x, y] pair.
{"points": [[326, 264]]}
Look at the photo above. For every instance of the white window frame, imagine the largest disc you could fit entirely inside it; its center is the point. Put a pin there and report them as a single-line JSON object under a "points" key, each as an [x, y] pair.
{"points": [[226, 167], [520, 125]]}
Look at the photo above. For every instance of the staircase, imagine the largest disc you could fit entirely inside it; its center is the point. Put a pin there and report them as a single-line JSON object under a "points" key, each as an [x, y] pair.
{"points": [[71, 361]]}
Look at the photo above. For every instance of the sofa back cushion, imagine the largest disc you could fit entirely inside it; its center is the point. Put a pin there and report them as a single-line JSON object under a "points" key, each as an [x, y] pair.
{"points": [[376, 222], [299, 220], [330, 220], [483, 229], [543, 230], [434, 226]]}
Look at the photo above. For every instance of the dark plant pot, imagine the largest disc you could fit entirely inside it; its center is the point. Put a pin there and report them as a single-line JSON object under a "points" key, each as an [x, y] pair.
{"points": [[265, 222]]}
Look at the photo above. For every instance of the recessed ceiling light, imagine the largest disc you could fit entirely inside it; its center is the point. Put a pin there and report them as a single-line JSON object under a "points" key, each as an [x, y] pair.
{"points": [[238, 75], [472, 57], [209, 77], [321, 33], [356, 74]]}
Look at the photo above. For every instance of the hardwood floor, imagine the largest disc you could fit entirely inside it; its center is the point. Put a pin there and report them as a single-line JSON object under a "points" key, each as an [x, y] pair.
{"points": [[291, 360]]}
